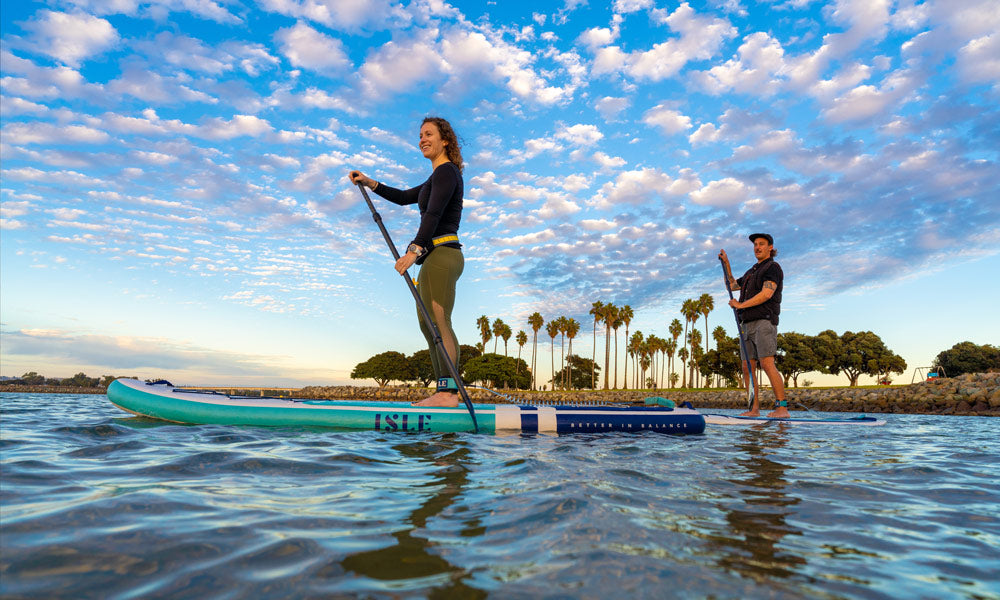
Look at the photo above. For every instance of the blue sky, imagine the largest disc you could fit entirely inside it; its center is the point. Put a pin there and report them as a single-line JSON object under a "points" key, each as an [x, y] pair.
{"points": [[174, 200]]}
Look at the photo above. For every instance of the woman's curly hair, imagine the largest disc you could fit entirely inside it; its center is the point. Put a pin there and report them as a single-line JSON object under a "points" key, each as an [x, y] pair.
{"points": [[453, 148]]}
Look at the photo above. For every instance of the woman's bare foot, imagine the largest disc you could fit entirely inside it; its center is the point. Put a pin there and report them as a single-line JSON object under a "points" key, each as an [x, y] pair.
{"points": [[779, 413], [751, 413], [439, 399]]}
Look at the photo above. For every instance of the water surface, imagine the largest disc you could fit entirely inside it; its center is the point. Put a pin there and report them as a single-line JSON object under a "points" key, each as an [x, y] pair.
{"points": [[95, 503]]}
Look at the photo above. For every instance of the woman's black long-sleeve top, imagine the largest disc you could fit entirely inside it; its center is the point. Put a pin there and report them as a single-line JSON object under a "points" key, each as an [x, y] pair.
{"points": [[440, 202]]}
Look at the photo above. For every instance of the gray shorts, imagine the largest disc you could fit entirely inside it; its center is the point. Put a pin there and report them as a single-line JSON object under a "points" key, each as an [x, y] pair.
{"points": [[761, 340]]}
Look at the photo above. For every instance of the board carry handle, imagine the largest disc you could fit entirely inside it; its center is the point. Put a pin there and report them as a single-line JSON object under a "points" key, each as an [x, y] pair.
{"points": [[741, 334], [438, 342]]}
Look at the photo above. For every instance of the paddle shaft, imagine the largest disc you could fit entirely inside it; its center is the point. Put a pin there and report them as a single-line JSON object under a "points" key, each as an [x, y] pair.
{"points": [[742, 336], [438, 342]]}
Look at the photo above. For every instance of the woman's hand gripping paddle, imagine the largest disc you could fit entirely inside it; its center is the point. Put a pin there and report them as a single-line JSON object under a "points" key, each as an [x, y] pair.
{"points": [[742, 336], [423, 312]]}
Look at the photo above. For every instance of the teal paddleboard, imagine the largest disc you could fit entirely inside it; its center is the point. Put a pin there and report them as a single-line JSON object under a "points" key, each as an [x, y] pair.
{"points": [[166, 402]]}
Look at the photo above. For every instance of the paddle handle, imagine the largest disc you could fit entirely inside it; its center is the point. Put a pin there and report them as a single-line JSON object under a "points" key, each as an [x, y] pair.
{"points": [[742, 336], [438, 342]]}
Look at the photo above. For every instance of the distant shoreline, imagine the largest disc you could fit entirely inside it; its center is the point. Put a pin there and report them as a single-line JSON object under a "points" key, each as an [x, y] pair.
{"points": [[976, 394]]}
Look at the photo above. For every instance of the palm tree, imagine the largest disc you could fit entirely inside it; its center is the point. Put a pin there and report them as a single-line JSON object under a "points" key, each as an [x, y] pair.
{"points": [[535, 320], [626, 315], [675, 330], [632, 347], [505, 333], [689, 309], [497, 331], [521, 338], [483, 323], [615, 325], [706, 304], [596, 310], [696, 353], [553, 330], [572, 328], [670, 346], [609, 315], [683, 355], [561, 328]]}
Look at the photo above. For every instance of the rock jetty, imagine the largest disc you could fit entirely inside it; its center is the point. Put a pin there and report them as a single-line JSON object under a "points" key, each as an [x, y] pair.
{"points": [[970, 394]]}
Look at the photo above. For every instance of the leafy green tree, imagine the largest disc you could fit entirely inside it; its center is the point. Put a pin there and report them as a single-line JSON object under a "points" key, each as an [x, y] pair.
{"points": [[466, 353], [498, 371], [967, 357], [795, 356], [32, 378], [578, 371], [886, 363], [828, 349], [859, 355], [385, 367], [724, 360], [107, 380], [80, 380], [423, 368]]}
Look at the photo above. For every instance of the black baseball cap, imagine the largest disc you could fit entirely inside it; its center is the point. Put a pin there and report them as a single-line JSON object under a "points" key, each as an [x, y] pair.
{"points": [[766, 236]]}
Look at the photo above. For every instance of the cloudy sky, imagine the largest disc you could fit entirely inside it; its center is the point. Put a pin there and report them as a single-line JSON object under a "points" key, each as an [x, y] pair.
{"points": [[175, 203]]}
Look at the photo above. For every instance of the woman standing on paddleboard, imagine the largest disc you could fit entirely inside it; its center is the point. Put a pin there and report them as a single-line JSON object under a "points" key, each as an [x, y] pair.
{"points": [[435, 247]]}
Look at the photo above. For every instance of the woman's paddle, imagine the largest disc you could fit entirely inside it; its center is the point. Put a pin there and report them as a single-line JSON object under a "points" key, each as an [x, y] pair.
{"points": [[423, 311], [742, 336]]}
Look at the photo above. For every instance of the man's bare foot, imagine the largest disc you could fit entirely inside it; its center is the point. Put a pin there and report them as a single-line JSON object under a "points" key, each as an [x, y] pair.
{"points": [[779, 413], [751, 413], [439, 399]]}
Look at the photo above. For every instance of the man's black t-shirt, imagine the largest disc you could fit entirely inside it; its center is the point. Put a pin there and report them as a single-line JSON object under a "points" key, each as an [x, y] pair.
{"points": [[752, 283]]}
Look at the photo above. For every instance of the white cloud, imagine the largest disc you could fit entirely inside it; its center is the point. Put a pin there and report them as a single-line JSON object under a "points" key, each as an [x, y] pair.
{"points": [[36, 132], [608, 162], [71, 38], [305, 47], [631, 6], [610, 106], [340, 15], [597, 37], [401, 66], [761, 57], [668, 120], [722, 193], [705, 133], [700, 39], [979, 60], [580, 134]]}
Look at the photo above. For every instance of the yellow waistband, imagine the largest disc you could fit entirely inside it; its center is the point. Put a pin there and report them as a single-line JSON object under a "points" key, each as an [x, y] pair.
{"points": [[445, 239]]}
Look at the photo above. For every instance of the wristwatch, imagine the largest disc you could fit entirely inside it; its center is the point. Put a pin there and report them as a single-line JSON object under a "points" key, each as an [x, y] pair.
{"points": [[419, 251]]}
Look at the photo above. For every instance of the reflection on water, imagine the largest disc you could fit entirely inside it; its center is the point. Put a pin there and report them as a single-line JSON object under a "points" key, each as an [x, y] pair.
{"points": [[758, 517], [412, 558]]}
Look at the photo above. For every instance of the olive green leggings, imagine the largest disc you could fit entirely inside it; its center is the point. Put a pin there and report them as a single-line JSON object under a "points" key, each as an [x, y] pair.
{"points": [[436, 284]]}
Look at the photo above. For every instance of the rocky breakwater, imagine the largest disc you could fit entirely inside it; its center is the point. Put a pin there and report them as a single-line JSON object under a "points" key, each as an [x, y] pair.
{"points": [[971, 394]]}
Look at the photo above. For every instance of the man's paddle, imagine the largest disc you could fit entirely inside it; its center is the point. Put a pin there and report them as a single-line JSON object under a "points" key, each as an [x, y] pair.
{"points": [[742, 336], [423, 311]]}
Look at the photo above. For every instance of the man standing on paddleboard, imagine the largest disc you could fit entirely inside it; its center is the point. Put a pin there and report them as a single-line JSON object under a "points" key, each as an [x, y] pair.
{"points": [[758, 309], [435, 246]]}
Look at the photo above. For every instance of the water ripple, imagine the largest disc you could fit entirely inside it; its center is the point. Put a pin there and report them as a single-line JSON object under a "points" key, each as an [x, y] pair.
{"points": [[98, 505]]}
